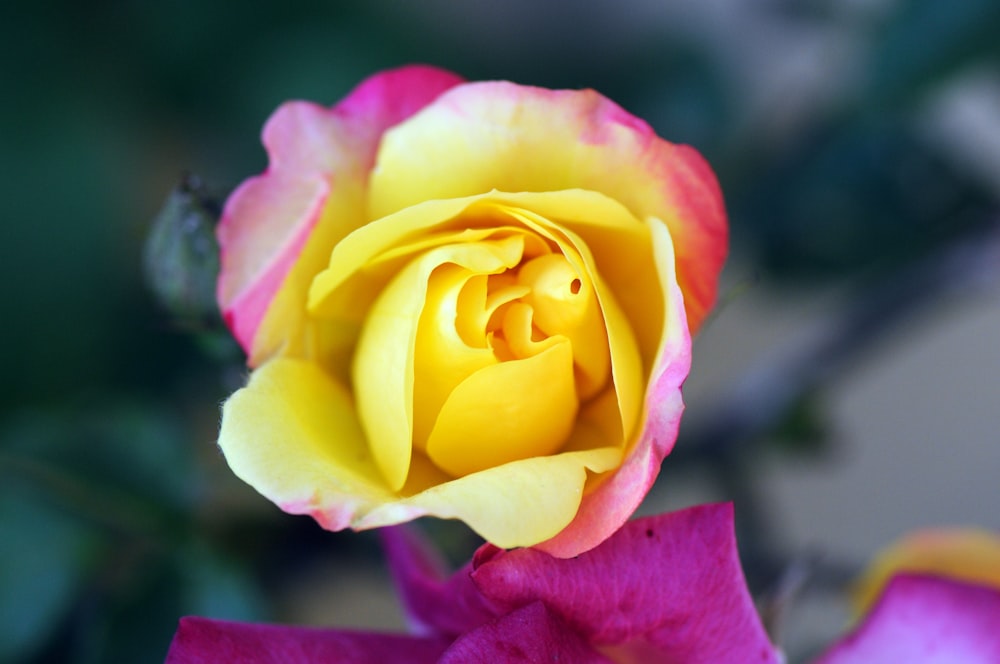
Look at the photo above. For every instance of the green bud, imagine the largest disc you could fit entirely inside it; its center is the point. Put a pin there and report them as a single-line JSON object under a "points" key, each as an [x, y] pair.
{"points": [[181, 258]]}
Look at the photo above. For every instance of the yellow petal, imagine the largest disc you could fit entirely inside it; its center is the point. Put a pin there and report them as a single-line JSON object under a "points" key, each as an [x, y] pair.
{"points": [[443, 358], [563, 303], [515, 138], [513, 410], [517, 504], [292, 434], [383, 368], [627, 367]]}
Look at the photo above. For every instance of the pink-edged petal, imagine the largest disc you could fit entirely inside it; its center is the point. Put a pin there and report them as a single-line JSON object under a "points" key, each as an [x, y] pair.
{"points": [[255, 263], [497, 135], [926, 620], [669, 586], [205, 641], [611, 503], [531, 634], [316, 156], [435, 602]]}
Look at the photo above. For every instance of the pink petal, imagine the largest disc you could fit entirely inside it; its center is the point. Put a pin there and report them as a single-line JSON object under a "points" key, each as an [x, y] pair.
{"points": [[529, 634], [275, 204], [926, 620], [204, 641], [435, 602], [268, 219], [669, 586]]}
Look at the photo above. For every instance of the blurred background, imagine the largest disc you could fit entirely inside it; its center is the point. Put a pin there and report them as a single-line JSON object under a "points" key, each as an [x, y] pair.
{"points": [[846, 390]]}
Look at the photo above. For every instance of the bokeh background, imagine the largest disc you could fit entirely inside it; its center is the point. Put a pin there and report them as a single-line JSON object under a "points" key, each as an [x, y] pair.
{"points": [[846, 391]]}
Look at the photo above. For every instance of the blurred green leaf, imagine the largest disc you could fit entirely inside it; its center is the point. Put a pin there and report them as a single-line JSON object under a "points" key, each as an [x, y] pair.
{"points": [[46, 556], [153, 587], [124, 470], [928, 40], [863, 197], [218, 587], [805, 427]]}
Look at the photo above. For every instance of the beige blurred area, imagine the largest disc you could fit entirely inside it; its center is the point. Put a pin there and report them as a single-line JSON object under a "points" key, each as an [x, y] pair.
{"points": [[912, 431]]}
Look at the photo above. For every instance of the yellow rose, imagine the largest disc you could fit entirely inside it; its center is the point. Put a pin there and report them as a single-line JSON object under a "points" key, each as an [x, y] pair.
{"points": [[465, 300]]}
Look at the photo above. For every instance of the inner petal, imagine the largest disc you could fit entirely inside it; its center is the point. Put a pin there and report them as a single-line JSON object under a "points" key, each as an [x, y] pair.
{"points": [[563, 303], [509, 411], [383, 368], [444, 357]]}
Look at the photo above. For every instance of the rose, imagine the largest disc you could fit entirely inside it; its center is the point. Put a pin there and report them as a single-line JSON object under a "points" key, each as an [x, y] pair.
{"points": [[471, 301]]}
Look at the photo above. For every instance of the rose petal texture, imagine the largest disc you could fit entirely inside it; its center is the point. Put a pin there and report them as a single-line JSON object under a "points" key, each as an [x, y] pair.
{"points": [[926, 620], [204, 641], [495, 331], [667, 588]]}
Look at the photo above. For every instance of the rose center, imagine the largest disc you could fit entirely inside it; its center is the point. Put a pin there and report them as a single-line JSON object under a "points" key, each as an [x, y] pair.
{"points": [[503, 360]]}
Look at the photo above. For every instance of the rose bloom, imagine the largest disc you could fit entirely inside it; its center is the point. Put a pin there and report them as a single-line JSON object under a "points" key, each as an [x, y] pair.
{"points": [[465, 300]]}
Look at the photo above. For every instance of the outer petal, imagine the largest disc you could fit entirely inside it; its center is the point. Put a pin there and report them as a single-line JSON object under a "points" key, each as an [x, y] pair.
{"points": [[516, 504], [608, 506], [926, 620], [204, 641], [485, 136], [319, 161], [963, 554], [529, 634], [667, 588], [292, 434]]}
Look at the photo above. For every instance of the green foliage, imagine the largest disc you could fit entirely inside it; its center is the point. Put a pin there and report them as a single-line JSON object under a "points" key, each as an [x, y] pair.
{"points": [[46, 557], [102, 547]]}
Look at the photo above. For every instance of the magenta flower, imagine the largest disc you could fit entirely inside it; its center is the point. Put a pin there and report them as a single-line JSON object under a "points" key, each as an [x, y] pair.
{"points": [[667, 588]]}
